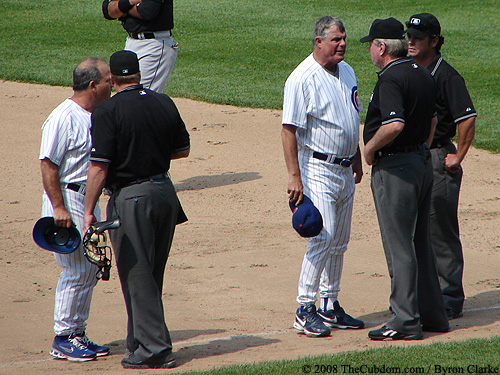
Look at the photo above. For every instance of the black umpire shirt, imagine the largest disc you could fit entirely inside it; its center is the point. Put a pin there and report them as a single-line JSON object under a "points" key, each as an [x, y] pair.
{"points": [[453, 101], [404, 92], [136, 131], [157, 15]]}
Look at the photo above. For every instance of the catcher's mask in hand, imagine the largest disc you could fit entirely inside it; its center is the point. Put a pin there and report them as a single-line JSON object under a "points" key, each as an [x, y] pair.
{"points": [[49, 236], [96, 249]]}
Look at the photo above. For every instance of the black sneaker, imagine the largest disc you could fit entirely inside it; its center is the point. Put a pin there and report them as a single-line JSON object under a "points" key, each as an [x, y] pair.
{"points": [[387, 334], [309, 322], [452, 314], [338, 318]]}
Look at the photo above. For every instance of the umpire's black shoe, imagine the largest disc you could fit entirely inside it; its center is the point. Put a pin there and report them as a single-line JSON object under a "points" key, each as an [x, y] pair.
{"points": [[387, 334], [309, 322], [131, 361], [452, 314], [338, 318]]}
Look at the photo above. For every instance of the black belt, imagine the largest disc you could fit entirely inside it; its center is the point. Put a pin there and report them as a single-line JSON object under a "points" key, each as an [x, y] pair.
{"points": [[77, 187], [156, 177], [145, 35], [399, 150], [438, 143], [344, 162]]}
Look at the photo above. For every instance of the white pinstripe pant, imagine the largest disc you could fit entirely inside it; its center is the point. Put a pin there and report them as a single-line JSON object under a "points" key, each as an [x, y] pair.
{"points": [[78, 276], [331, 188]]}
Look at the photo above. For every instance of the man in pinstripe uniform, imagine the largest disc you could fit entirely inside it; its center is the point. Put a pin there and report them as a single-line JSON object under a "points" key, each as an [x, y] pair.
{"points": [[64, 155], [320, 137]]}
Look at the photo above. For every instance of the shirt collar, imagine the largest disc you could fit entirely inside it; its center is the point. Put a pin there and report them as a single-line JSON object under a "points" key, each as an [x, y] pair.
{"points": [[434, 65], [393, 63], [129, 88]]}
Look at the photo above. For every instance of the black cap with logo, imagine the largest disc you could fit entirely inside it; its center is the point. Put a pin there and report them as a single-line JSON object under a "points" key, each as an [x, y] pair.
{"points": [[423, 24], [123, 63]]}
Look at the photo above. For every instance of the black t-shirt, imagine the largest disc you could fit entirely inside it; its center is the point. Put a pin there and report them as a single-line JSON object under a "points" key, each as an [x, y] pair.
{"points": [[453, 101], [404, 92], [157, 15], [136, 131]]}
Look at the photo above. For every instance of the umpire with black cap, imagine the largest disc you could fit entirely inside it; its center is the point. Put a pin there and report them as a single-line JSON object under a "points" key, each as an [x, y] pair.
{"points": [[399, 123], [134, 138], [455, 111]]}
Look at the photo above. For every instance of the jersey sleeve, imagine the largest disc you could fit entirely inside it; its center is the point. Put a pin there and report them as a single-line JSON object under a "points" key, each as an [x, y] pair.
{"points": [[56, 138], [103, 132], [458, 99], [149, 9], [295, 99], [391, 102]]}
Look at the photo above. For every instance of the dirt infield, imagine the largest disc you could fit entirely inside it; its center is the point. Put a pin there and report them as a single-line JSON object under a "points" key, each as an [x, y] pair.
{"points": [[231, 280]]}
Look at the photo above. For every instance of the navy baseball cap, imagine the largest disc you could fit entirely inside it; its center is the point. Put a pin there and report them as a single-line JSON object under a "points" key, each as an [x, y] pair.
{"points": [[124, 63], [49, 236], [389, 28], [423, 24], [306, 218]]}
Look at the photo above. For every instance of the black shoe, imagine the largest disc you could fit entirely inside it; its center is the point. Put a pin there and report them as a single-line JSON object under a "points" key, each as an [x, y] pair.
{"points": [[387, 334], [338, 318], [452, 314], [131, 361], [309, 322]]}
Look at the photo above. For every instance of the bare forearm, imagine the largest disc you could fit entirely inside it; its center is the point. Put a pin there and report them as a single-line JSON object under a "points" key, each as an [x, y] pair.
{"points": [[95, 183], [433, 129], [115, 12], [384, 135], [466, 132], [295, 188], [51, 183]]}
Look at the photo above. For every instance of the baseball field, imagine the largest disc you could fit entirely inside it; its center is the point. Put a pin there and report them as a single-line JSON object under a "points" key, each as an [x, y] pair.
{"points": [[231, 280]]}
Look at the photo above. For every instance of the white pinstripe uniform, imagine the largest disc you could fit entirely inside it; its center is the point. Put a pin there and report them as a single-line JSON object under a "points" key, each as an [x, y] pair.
{"points": [[66, 142], [325, 109]]}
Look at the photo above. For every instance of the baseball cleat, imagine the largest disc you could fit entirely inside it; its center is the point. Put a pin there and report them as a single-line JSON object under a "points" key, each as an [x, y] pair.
{"points": [[387, 334], [308, 322], [68, 347], [338, 318], [100, 350]]}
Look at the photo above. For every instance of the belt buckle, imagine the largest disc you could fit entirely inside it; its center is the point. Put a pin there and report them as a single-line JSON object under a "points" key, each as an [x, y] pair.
{"points": [[346, 163]]}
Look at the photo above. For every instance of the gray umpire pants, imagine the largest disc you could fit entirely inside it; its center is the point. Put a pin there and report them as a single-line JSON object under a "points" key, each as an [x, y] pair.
{"points": [[401, 186], [148, 214], [444, 228]]}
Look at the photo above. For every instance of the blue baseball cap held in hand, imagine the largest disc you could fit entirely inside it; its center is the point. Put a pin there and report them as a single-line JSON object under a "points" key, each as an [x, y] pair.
{"points": [[306, 218], [50, 237]]}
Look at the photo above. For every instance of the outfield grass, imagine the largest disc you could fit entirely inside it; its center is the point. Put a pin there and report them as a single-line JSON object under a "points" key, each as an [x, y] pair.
{"points": [[240, 52], [478, 356]]}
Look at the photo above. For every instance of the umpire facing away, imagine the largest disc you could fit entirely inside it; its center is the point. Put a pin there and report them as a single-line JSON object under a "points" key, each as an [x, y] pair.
{"points": [[134, 138], [399, 122]]}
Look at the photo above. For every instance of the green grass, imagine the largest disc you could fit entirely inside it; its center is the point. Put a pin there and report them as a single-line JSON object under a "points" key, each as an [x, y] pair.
{"points": [[240, 52], [468, 357]]}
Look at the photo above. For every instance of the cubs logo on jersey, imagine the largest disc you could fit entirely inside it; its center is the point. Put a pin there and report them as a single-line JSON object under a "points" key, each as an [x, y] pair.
{"points": [[355, 99]]}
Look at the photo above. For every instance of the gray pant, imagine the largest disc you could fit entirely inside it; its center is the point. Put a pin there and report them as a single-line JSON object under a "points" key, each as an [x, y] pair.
{"points": [[444, 229], [401, 186], [148, 214]]}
